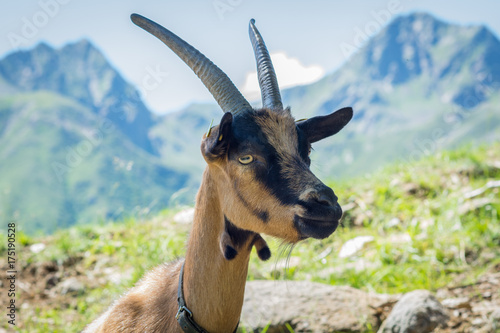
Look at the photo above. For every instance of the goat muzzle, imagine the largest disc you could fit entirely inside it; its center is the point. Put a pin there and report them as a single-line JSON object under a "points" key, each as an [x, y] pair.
{"points": [[320, 213]]}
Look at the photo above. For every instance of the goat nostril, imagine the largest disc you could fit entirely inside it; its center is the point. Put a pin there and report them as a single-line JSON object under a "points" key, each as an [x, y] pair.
{"points": [[325, 200], [326, 197], [323, 196]]}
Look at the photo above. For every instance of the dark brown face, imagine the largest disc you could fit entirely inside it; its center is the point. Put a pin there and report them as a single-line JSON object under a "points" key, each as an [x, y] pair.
{"points": [[264, 161]]}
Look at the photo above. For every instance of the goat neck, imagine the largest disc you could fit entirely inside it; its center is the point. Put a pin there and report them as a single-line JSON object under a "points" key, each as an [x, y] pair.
{"points": [[213, 285]]}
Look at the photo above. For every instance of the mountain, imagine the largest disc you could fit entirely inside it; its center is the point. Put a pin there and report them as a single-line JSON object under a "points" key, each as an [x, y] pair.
{"points": [[81, 72], [77, 143], [418, 86], [74, 143]]}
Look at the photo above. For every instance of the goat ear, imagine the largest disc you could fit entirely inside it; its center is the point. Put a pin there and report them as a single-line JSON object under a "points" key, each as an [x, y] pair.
{"points": [[216, 140], [227, 246], [320, 127], [263, 250]]}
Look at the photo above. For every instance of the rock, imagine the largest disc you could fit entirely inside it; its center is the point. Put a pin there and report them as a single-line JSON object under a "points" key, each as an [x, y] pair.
{"points": [[324, 254], [37, 248], [116, 276], [392, 223], [309, 307], [416, 312], [71, 285], [474, 204], [457, 303], [477, 322], [352, 246], [403, 238], [495, 319], [185, 216], [358, 265]]}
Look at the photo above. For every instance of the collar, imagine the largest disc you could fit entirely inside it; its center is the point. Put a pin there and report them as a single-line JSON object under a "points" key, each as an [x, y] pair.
{"points": [[184, 316]]}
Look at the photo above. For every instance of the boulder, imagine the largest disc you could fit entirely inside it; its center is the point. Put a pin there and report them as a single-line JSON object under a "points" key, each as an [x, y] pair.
{"points": [[185, 216], [309, 307], [70, 286], [416, 312]]}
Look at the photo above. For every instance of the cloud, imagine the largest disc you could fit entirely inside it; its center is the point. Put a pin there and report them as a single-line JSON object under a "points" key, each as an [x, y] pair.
{"points": [[290, 72]]}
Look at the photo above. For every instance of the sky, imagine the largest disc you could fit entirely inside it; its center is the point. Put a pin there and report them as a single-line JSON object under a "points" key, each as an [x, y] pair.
{"points": [[306, 39]]}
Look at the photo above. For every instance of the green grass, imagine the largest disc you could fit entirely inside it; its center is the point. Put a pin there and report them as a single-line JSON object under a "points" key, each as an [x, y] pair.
{"points": [[427, 234]]}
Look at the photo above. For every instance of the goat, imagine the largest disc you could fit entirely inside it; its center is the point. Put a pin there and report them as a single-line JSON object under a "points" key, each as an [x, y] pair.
{"points": [[257, 180]]}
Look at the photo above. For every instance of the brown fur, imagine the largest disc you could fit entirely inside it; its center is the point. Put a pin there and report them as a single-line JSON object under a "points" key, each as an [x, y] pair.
{"points": [[148, 307], [279, 129]]}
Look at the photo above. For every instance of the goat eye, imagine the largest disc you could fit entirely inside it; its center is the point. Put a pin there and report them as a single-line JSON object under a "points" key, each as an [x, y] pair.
{"points": [[309, 151], [247, 159]]}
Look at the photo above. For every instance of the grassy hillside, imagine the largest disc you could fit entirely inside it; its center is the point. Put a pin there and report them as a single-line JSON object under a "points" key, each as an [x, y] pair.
{"points": [[434, 223], [62, 164]]}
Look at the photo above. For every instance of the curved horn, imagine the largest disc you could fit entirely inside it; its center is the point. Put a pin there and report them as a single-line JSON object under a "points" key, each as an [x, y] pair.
{"points": [[217, 82], [268, 83]]}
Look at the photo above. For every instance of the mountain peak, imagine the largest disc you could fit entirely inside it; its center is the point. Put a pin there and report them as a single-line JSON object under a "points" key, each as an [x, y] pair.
{"points": [[399, 53], [82, 47], [418, 20], [81, 72], [419, 43], [38, 67], [43, 47], [84, 43]]}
